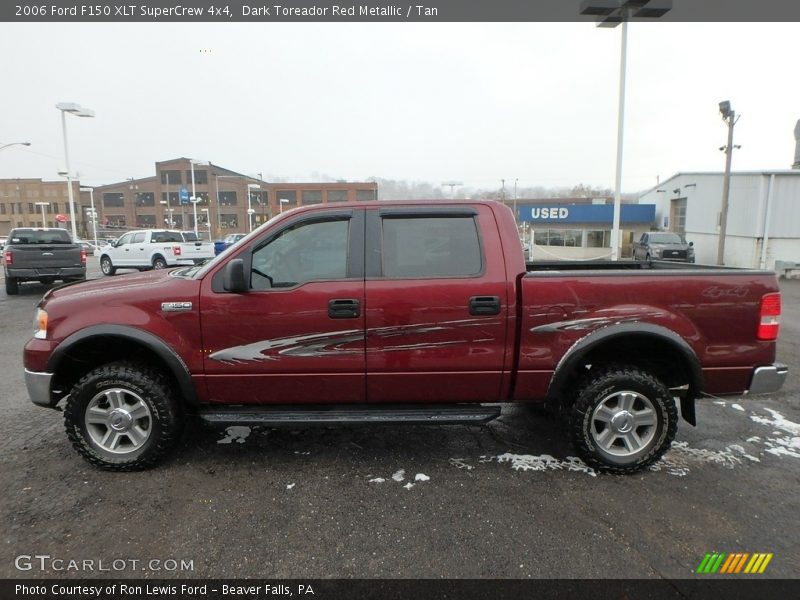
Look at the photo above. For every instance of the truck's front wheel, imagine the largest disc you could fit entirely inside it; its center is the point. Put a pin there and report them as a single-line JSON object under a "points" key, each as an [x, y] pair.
{"points": [[122, 417], [623, 419], [106, 266]]}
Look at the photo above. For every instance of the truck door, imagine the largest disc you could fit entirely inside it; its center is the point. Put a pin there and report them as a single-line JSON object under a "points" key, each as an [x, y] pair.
{"points": [[436, 305], [139, 250], [297, 335], [121, 254]]}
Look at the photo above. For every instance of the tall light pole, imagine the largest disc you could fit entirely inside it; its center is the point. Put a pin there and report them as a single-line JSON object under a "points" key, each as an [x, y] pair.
{"points": [[4, 146], [452, 185], [282, 201], [515, 201], [250, 211], [611, 13], [78, 111], [208, 221], [94, 212], [730, 118], [194, 198], [44, 218]]}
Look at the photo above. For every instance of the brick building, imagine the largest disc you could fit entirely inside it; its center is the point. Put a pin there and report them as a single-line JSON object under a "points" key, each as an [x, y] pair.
{"points": [[224, 198], [163, 200], [19, 198]]}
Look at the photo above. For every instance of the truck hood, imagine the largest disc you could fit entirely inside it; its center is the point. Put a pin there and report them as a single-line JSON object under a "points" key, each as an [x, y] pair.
{"points": [[135, 284], [669, 246]]}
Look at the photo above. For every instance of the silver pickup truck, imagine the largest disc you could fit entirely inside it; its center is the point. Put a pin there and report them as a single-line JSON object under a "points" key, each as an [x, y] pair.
{"points": [[663, 245], [41, 254]]}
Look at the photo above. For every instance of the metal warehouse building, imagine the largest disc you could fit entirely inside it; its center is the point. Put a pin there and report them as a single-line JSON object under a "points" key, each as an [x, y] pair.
{"points": [[763, 222]]}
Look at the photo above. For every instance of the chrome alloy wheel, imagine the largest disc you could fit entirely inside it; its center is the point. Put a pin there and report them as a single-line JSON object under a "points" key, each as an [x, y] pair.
{"points": [[118, 421], [623, 423]]}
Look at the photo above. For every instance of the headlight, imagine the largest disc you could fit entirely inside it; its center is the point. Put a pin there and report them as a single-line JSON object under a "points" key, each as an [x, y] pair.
{"points": [[655, 251], [40, 325]]}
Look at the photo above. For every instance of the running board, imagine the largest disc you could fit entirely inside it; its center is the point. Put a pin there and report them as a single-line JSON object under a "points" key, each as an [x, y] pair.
{"points": [[413, 414]]}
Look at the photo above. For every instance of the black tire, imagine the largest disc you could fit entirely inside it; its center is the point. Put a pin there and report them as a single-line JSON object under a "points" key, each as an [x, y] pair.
{"points": [[159, 263], [127, 381], [12, 286], [106, 266], [616, 451]]}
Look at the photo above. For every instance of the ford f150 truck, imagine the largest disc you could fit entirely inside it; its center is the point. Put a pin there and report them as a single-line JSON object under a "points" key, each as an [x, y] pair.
{"points": [[153, 249], [41, 254], [403, 312]]}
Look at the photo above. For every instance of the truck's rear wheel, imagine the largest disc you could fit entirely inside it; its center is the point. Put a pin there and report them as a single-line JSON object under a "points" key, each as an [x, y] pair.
{"points": [[623, 419], [106, 266], [159, 263], [12, 286], [122, 417]]}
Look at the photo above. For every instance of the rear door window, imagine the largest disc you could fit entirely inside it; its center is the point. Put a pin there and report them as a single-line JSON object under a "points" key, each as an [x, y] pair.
{"points": [[420, 247]]}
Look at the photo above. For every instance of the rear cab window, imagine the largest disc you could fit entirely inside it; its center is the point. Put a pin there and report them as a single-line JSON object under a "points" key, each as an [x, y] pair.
{"points": [[39, 236]]}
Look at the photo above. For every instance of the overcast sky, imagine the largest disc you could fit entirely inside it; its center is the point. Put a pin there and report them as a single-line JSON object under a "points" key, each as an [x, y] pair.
{"points": [[435, 102]]}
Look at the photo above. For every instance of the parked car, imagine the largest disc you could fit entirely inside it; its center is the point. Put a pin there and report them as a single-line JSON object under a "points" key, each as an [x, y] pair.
{"points": [[41, 254], [228, 241], [663, 245], [153, 249], [400, 312]]}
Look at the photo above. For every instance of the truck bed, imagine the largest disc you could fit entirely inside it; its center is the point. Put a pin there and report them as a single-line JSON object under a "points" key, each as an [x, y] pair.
{"points": [[630, 265]]}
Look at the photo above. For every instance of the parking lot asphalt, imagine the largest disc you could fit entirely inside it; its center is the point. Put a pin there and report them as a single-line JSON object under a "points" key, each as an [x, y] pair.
{"points": [[502, 501]]}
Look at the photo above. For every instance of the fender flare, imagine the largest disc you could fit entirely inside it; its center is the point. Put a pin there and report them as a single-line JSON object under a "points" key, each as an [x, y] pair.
{"points": [[171, 358], [586, 344]]}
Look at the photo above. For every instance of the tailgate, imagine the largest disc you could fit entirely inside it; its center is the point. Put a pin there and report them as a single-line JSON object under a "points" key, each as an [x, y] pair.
{"points": [[46, 256], [197, 250]]}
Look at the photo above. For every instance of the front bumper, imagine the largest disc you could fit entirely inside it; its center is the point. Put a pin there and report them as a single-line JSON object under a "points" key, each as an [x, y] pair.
{"points": [[38, 385], [768, 379]]}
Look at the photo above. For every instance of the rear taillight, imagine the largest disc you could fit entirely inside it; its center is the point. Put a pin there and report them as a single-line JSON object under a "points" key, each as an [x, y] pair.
{"points": [[176, 250], [83, 257], [769, 317], [7, 257]]}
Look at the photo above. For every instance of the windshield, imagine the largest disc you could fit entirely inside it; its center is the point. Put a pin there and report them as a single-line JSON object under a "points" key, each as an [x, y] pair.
{"points": [[665, 238], [39, 236]]}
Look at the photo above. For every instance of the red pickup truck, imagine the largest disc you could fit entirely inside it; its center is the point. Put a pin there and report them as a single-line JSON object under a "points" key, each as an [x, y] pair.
{"points": [[405, 312]]}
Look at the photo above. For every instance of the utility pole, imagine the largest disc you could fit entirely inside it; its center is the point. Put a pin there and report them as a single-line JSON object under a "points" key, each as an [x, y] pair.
{"points": [[503, 190], [729, 117], [515, 200]]}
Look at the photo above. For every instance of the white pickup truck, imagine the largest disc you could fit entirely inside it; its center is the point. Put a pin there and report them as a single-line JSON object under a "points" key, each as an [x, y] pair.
{"points": [[154, 249]]}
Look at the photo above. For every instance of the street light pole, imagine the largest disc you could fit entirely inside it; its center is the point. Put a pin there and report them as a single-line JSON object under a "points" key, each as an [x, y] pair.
{"points": [[194, 198], [623, 62], [729, 117], [77, 110], [44, 218], [4, 146], [611, 13], [94, 213], [282, 201]]}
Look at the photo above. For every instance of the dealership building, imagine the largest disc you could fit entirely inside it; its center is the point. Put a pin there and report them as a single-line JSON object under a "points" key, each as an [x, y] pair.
{"points": [[763, 224], [579, 228]]}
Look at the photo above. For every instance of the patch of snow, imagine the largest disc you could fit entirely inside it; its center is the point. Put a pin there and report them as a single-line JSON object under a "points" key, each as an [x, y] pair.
{"points": [[235, 433], [409, 485], [544, 462], [778, 421], [678, 459], [290, 486], [737, 407], [400, 475], [421, 477], [720, 402], [754, 438], [784, 446], [377, 480], [460, 463], [742, 451]]}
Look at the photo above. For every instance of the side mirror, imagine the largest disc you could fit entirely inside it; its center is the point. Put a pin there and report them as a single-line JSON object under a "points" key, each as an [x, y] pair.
{"points": [[691, 243], [234, 279]]}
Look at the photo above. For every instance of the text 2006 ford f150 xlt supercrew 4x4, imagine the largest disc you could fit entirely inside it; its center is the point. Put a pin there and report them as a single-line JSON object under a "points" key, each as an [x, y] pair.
{"points": [[399, 312]]}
